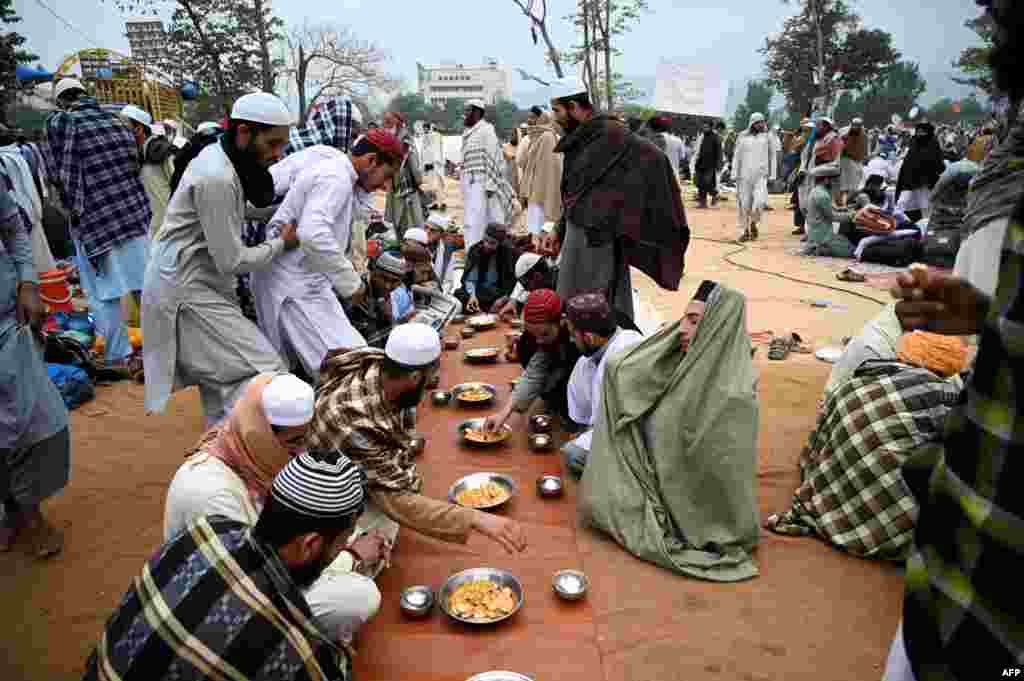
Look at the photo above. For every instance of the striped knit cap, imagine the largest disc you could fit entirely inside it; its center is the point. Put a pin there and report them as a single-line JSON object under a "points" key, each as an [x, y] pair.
{"points": [[322, 485]]}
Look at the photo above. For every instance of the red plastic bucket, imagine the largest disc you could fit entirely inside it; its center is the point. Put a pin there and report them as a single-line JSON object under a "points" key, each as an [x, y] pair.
{"points": [[54, 291], [372, 248]]}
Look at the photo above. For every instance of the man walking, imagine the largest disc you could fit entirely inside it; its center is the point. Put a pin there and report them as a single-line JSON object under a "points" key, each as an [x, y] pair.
{"points": [[705, 165], [753, 166], [157, 157], [486, 194]]}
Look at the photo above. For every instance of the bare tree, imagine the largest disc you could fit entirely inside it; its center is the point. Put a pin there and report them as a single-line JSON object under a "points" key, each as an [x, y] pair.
{"points": [[326, 60], [538, 17]]}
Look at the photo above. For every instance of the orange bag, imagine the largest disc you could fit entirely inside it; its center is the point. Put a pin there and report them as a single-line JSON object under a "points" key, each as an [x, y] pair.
{"points": [[873, 220]]}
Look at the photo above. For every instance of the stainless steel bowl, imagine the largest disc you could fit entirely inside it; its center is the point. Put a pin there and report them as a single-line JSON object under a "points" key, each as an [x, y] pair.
{"points": [[570, 584], [468, 332], [478, 424], [479, 480], [501, 577], [463, 387], [417, 601], [440, 397], [541, 442], [549, 486], [482, 355], [458, 319], [483, 321], [541, 423], [501, 676]]}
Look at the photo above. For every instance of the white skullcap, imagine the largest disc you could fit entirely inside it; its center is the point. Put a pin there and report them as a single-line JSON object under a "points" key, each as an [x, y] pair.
{"points": [[567, 87], [547, 227], [325, 485], [288, 401], [159, 130], [858, 121], [439, 221], [417, 234], [756, 118], [208, 125], [477, 103], [525, 264], [262, 107], [524, 126], [413, 345], [179, 142], [67, 84], [138, 115]]}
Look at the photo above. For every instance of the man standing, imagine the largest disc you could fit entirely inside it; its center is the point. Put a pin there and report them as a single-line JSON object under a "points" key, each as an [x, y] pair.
{"points": [[366, 407], [194, 328], [433, 166], [486, 194], [673, 146], [622, 206], [598, 338], [851, 161], [35, 446], [541, 176], [157, 157], [297, 296], [404, 208], [705, 165], [958, 621], [753, 166], [94, 163]]}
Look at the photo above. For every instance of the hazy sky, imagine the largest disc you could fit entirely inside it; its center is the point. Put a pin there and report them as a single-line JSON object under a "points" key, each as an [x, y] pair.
{"points": [[726, 33]]}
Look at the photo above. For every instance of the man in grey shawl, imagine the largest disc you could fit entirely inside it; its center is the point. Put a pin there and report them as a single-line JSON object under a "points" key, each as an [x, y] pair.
{"points": [[35, 446], [404, 207], [672, 469]]}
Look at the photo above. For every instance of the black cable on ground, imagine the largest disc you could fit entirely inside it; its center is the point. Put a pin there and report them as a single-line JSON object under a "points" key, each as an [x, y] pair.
{"points": [[740, 248]]}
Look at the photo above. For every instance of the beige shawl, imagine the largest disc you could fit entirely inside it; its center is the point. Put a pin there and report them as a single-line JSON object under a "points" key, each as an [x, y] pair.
{"points": [[541, 170]]}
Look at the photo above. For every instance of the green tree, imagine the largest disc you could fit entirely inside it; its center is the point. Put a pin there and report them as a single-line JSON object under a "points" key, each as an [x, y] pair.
{"points": [[454, 114], [505, 116], [599, 24], [759, 99], [11, 54], [973, 61], [896, 91], [854, 57], [412, 105]]}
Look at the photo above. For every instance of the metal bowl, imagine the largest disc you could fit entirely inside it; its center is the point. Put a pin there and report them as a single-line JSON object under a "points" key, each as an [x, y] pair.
{"points": [[570, 584], [501, 676], [479, 480], [549, 486], [458, 390], [418, 444], [478, 424], [483, 321], [468, 332], [417, 601], [482, 355], [541, 442], [458, 319], [541, 424], [451, 342], [440, 398], [497, 575]]}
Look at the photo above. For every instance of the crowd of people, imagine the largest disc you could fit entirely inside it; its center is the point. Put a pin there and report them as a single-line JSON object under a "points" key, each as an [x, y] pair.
{"points": [[289, 507]]}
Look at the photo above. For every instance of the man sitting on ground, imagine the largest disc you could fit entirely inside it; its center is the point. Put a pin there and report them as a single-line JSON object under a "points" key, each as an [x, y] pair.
{"points": [[416, 251], [243, 614], [387, 302], [591, 324], [533, 272], [490, 272], [820, 214], [672, 470], [366, 408]]}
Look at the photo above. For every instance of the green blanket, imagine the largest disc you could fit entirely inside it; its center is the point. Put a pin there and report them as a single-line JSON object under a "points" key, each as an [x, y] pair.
{"points": [[672, 471]]}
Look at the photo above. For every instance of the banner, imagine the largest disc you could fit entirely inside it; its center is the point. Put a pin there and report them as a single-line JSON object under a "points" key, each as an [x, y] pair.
{"points": [[689, 89]]}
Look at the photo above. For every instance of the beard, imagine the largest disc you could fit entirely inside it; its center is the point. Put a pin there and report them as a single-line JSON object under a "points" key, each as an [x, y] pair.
{"points": [[305, 575], [410, 398], [569, 125]]}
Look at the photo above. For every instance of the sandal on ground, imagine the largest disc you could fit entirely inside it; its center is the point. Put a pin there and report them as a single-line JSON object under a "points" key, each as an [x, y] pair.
{"points": [[851, 275]]}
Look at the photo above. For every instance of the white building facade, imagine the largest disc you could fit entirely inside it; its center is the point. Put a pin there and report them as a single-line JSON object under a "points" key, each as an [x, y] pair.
{"points": [[442, 82], [147, 39]]}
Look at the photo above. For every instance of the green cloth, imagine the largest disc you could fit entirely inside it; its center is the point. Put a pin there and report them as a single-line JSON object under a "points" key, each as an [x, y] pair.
{"points": [[820, 235], [672, 470]]}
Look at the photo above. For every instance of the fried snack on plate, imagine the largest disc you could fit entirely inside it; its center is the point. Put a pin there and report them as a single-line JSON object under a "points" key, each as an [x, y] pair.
{"points": [[482, 599]]}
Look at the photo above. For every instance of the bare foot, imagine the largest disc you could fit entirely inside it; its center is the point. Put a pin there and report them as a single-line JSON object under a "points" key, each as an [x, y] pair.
{"points": [[46, 539]]}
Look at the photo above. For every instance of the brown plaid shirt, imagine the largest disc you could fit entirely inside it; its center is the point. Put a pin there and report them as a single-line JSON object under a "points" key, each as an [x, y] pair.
{"points": [[353, 415]]}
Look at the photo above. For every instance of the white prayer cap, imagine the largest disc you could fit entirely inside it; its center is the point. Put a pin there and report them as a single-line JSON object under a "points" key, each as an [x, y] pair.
{"points": [[477, 103], [858, 122], [179, 142], [567, 87], [416, 234], [136, 114], [413, 345], [67, 84], [261, 107], [756, 118], [159, 130], [288, 401], [547, 227], [523, 126], [525, 264], [439, 221], [208, 125]]}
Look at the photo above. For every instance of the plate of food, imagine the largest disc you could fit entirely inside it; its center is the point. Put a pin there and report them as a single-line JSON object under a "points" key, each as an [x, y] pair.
{"points": [[474, 394], [482, 490], [483, 321], [472, 433], [481, 595], [481, 355]]}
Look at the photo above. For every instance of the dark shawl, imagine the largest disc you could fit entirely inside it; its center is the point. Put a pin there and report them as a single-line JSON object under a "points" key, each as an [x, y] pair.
{"points": [[617, 185], [922, 167], [478, 263], [710, 155]]}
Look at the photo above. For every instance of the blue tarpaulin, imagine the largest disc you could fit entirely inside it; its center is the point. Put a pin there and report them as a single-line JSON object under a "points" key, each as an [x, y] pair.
{"points": [[28, 73]]}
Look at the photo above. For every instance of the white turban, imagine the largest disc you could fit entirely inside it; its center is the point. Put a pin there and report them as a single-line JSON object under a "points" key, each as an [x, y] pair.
{"points": [[413, 345], [262, 107], [288, 401]]}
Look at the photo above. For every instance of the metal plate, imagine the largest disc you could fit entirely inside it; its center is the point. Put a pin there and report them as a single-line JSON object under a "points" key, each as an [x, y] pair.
{"points": [[478, 480], [497, 575], [479, 424], [501, 676], [483, 321], [481, 355], [463, 387]]}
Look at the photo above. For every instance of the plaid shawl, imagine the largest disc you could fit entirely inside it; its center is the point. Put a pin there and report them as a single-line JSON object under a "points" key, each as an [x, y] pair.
{"points": [[353, 415], [852, 493], [215, 604], [483, 161], [94, 161], [962, 615], [329, 123]]}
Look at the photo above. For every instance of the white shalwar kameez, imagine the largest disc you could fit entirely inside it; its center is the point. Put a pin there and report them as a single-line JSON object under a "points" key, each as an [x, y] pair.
{"points": [[479, 209], [433, 154], [295, 296], [195, 331], [753, 165]]}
